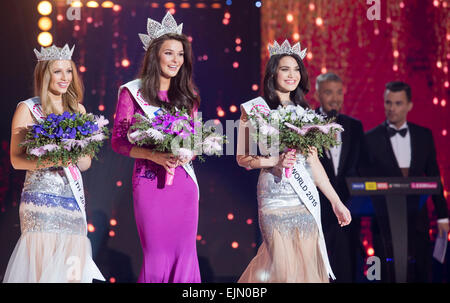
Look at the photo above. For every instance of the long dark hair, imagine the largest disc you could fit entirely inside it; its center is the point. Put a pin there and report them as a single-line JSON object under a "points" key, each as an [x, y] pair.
{"points": [[270, 82], [182, 91]]}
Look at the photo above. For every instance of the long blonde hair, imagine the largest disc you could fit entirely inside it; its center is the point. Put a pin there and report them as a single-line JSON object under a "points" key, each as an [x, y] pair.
{"points": [[70, 99]]}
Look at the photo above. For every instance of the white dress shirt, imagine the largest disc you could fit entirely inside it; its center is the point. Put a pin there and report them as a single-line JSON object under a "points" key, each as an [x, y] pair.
{"points": [[402, 147]]}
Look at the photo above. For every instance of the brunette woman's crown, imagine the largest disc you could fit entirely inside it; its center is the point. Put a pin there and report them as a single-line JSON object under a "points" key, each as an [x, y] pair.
{"points": [[54, 53], [286, 48], [156, 29]]}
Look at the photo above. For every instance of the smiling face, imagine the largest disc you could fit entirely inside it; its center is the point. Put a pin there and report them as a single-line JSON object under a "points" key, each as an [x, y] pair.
{"points": [[331, 96], [61, 75], [171, 58], [288, 74]]}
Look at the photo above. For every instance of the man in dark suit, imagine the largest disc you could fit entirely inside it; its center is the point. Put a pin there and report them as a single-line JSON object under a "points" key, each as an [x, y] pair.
{"points": [[400, 148], [340, 162]]}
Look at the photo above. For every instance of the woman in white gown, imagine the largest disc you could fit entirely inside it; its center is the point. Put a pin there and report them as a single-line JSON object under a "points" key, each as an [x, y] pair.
{"points": [[291, 250], [53, 246]]}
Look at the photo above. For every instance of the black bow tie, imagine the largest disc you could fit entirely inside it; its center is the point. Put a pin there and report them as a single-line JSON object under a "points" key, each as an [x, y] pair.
{"points": [[393, 131]]}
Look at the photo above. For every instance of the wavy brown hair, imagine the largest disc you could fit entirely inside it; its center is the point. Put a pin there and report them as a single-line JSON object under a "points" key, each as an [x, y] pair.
{"points": [[182, 91], [270, 82], [70, 99]]}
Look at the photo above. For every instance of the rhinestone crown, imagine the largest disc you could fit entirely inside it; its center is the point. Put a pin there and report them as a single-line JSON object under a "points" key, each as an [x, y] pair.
{"points": [[286, 48], [54, 53], [156, 29]]}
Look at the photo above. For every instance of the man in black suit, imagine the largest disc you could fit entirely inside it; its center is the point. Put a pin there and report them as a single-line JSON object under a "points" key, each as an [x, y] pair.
{"points": [[400, 148], [340, 162]]}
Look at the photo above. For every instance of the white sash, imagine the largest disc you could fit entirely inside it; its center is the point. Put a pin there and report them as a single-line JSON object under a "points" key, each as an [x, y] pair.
{"points": [[303, 186], [72, 172], [152, 111]]}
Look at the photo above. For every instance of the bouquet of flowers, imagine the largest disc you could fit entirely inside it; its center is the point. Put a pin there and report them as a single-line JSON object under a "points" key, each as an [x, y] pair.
{"points": [[63, 139], [296, 128], [164, 132]]}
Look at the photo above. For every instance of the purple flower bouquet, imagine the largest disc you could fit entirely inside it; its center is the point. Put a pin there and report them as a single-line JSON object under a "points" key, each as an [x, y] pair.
{"points": [[63, 139]]}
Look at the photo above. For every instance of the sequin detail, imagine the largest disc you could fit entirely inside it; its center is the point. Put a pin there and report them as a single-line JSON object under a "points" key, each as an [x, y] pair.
{"points": [[51, 181], [288, 221], [46, 213]]}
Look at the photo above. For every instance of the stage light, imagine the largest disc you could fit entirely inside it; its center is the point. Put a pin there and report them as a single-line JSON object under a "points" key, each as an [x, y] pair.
{"points": [[112, 280], [235, 64], [233, 108], [229, 2], [238, 48], [445, 69], [253, 244], [199, 237], [101, 107], [238, 40], [319, 21], [200, 5], [227, 15], [60, 17], [45, 8], [76, 3], [388, 20], [220, 112], [172, 11], [311, 6], [185, 5], [89, 20], [436, 3], [119, 183], [113, 222], [125, 63], [235, 244], [444, 132], [365, 242], [448, 37], [76, 28], [396, 54], [216, 5], [289, 18], [249, 221], [296, 36], [230, 216], [169, 5], [82, 69], [117, 8], [309, 56], [226, 21], [402, 5], [444, 4], [45, 39], [446, 84], [258, 4], [370, 251], [255, 87], [216, 121], [395, 67], [45, 23], [112, 233], [205, 57], [443, 102], [107, 4], [92, 4], [154, 5], [323, 70], [435, 101], [190, 39], [91, 228], [439, 64]]}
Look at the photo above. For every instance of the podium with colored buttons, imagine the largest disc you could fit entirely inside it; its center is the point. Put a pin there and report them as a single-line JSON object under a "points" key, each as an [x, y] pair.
{"points": [[395, 191]]}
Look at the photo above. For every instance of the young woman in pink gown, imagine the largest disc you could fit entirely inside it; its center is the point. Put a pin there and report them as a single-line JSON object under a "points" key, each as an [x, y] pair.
{"points": [[166, 215]]}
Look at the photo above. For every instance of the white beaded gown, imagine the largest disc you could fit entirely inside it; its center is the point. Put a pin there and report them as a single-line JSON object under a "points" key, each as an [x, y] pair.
{"points": [[53, 246], [290, 251]]}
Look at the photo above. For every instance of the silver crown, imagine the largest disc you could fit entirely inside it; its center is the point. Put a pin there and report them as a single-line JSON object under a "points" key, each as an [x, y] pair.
{"points": [[54, 53], [156, 29], [286, 48]]}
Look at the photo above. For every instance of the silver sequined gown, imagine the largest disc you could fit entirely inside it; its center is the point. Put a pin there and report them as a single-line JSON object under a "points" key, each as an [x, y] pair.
{"points": [[290, 251], [53, 246]]}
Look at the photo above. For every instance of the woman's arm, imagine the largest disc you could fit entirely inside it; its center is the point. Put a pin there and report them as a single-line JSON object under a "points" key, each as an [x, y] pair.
{"points": [[323, 183], [21, 120]]}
